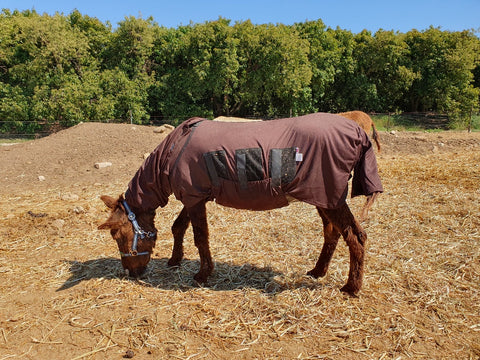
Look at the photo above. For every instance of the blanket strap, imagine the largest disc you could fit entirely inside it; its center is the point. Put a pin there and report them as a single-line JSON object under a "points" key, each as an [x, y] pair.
{"points": [[212, 171], [276, 166], [241, 170]]}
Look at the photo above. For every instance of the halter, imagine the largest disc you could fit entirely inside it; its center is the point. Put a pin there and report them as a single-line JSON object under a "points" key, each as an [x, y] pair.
{"points": [[137, 231]]}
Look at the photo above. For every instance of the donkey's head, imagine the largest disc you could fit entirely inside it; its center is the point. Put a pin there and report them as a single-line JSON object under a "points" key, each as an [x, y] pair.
{"points": [[135, 234]]}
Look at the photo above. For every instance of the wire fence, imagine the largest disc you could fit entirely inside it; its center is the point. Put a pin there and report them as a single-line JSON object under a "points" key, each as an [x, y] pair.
{"points": [[424, 120], [420, 120]]}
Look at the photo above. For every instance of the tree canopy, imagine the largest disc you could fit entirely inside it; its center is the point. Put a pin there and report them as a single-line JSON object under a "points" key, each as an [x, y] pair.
{"points": [[71, 68]]}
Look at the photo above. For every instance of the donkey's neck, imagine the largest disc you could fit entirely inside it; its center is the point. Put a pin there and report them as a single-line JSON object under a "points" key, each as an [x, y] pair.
{"points": [[146, 220], [150, 187]]}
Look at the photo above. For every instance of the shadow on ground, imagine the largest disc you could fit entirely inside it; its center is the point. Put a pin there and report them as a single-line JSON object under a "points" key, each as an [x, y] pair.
{"points": [[225, 276]]}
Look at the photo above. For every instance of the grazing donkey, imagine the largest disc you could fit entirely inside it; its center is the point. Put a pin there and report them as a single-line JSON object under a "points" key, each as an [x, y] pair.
{"points": [[257, 166]]}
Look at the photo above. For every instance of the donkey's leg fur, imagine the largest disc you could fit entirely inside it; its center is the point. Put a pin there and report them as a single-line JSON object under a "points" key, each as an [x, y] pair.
{"points": [[355, 237], [331, 236], [178, 230], [198, 217]]}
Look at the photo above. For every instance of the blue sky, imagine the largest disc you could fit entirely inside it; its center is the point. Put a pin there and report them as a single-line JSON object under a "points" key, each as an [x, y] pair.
{"points": [[353, 15]]}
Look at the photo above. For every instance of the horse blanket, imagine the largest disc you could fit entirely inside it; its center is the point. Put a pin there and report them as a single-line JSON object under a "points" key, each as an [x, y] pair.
{"points": [[258, 165]]}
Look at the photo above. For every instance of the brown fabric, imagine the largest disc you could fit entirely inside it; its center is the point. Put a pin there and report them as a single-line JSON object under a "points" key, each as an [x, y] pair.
{"points": [[255, 165]]}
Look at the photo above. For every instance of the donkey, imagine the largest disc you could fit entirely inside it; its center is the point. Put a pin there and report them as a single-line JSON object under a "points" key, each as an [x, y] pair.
{"points": [[257, 166], [365, 122]]}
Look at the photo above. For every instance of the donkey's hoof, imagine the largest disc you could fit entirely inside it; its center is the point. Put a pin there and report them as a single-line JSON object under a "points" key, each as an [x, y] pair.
{"points": [[174, 262], [200, 279], [316, 274], [350, 290]]}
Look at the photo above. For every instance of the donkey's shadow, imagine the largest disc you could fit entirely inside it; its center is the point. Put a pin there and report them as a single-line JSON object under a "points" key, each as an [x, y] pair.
{"points": [[225, 277]]}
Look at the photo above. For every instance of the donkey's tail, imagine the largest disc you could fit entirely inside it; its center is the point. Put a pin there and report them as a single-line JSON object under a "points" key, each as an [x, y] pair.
{"points": [[368, 204], [375, 136]]}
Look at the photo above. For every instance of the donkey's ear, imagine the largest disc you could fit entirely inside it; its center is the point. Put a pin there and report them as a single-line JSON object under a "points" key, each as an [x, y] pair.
{"points": [[115, 221], [117, 218], [109, 201], [105, 225]]}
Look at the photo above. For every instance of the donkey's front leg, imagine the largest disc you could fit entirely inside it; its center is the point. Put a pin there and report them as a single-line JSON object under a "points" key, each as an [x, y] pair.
{"points": [[355, 237], [198, 217], [179, 228]]}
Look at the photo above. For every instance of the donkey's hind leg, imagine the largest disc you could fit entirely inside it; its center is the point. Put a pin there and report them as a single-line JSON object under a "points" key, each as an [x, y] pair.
{"points": [[355, 237], [179, 227], [331, 236]]}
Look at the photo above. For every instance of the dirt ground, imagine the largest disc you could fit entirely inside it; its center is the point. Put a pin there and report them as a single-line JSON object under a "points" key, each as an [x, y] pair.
{"points": [[63, 294]]}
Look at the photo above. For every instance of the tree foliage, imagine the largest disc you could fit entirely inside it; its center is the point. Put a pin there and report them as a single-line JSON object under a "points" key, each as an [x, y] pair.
{"points": [[444, 62], [67, 69]]}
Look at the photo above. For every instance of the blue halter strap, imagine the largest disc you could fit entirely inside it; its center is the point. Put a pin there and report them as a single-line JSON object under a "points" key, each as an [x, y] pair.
{"points": [[137, 232]]}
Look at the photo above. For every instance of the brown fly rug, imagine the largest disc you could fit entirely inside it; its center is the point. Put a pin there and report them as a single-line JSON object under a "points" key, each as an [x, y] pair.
{"points": [[256, 165]]}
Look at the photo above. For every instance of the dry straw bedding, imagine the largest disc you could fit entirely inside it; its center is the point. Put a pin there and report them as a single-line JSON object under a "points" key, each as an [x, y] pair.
{"points": [[63, 295]]}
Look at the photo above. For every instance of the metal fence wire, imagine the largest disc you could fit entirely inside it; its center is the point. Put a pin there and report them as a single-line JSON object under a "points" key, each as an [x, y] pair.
{"points": [[36, 129]]}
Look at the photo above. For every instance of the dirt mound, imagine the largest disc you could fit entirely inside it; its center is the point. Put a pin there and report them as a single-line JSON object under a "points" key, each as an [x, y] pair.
{"points": [[68, 158]]}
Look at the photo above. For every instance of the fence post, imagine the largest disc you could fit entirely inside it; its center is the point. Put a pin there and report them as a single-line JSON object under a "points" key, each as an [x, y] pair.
{"points": [[469, 126]]}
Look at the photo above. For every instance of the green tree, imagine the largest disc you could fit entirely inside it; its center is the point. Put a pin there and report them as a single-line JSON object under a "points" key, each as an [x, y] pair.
{"points": [[128, 98], [74, 68], [14, 109], [210, 67], [219, 67], [45, 61], [98, 34], [177, 92], [339, 95], [445, 62], [44, 48], [130, 47], [275, 71], [381, 70], [325, 55], [215, 69]]}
